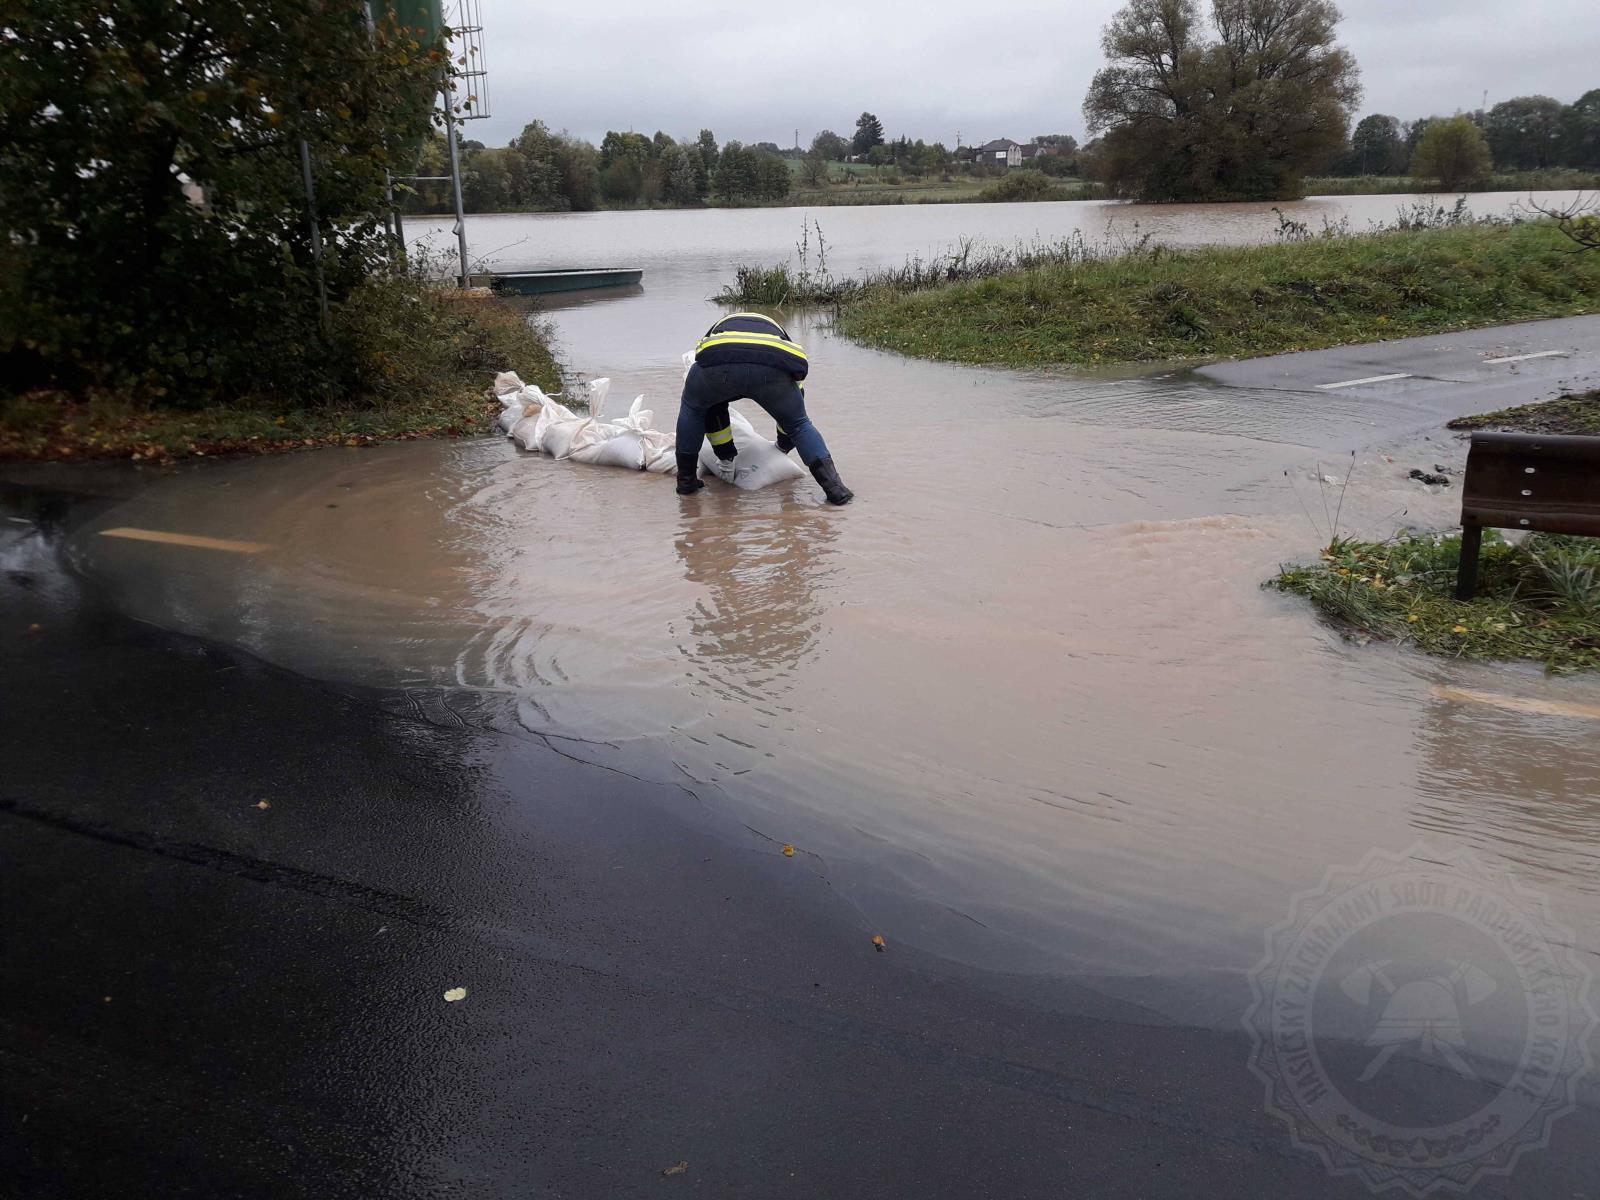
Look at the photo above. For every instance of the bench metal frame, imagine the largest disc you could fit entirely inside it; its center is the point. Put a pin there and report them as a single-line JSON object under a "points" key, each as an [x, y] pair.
{"points": [[1537, 483]]}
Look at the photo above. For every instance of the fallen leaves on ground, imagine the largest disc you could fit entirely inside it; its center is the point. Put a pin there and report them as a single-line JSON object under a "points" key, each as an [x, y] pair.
{"points": [[878, 943], [677, 1168], [263, 804], [788, 851]]}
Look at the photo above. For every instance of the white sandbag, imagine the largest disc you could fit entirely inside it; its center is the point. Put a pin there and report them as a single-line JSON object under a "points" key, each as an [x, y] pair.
{"points": [[525, 432], [508, 388], [759, 462], [593, 395], [660, 451], [619, 443], [622, 450], [555, 429]]}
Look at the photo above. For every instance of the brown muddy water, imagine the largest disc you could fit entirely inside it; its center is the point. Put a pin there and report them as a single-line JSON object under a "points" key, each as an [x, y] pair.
{"points": [[1024, 702]]}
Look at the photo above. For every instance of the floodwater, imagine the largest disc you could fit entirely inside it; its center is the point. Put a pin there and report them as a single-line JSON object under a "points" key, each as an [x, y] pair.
{"points": [[1024, 703]]}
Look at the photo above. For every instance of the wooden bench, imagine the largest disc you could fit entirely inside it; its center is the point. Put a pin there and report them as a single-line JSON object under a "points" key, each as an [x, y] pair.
{"points": [[1538, 483]]}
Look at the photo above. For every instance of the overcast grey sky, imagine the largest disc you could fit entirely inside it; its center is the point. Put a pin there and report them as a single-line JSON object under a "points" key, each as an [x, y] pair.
{"points": [[1006, 68]]}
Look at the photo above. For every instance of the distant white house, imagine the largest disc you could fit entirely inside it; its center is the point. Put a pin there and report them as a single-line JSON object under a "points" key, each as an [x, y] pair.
{"points": [[1003, 152]]}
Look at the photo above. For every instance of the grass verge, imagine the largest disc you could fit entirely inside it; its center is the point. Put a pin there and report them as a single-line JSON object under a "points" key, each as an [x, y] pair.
{"points": [[425, 356], [1227, 302], [1538, 600], [1553, 180], [1578, 413]]}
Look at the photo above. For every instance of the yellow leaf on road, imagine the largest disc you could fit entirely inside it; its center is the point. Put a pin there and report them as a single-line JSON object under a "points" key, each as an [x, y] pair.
{"points": [[878, 943], [788, 851], [677, 1168]]}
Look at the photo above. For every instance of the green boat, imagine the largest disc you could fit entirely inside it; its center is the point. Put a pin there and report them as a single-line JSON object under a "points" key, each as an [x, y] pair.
{"points": [[573, 279]]}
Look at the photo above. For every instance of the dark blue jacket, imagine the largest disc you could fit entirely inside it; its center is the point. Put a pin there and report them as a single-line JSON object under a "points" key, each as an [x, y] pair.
{"points": [[751, 338]]}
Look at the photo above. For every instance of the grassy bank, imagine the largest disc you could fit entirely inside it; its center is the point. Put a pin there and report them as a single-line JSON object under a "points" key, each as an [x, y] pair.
{"points": [[1539, 600], [1553, 180], [1157, 304], [1579, 413], [962, 191], [425, 356]]}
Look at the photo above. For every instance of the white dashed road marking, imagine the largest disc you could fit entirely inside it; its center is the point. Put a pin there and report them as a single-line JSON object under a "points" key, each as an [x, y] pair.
{"points": [[1526, 357], [1369, 379]]}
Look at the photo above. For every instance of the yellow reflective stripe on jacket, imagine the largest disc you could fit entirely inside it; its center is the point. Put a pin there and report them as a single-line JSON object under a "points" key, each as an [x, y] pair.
{"points": [[721, 437], [770, 341]]}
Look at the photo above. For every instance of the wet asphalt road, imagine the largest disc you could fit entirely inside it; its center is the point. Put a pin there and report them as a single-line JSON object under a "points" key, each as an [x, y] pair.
{"points": [[1426, 380], [233, 898]]}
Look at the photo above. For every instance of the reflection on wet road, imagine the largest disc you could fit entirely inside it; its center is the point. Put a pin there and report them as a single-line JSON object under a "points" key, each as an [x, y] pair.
{"points": [[1025, 699]]}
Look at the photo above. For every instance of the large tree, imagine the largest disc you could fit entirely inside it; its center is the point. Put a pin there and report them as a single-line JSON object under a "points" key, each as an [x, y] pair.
{"points": [[1376, 147], [869, 133], [117, 115], [1452, 151], [1580, 132], [830, 145], [1242, 110], [707, 142], [1524, 133]]}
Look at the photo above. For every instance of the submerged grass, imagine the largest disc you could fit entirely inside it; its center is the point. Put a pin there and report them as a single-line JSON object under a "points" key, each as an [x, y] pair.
{"points": [[1537, 600], [425, 356], [1578, 413], [1157, 304], [811, 283]]}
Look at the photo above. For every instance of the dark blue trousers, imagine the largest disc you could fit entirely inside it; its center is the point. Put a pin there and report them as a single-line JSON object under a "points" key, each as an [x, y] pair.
{"points": [[708, 391]]}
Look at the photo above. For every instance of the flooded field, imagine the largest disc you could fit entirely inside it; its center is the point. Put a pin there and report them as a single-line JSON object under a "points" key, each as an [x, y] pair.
{"points": [[1024, 703]]}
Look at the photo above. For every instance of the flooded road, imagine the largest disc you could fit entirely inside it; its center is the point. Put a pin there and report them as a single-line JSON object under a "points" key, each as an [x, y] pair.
{"points": [[1024, 703]]}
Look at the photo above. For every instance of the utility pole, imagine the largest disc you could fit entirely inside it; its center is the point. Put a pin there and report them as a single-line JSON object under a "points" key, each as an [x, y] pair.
{"points": [[455, 174]]}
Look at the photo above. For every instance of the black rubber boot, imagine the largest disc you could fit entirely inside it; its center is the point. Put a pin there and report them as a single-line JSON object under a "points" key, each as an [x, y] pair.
{"points": [[828, 479], [689, 481]]}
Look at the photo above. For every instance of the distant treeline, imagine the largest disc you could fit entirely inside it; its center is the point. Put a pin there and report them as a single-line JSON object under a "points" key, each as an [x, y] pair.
{"points": [[542, 171], [1527, 133]]}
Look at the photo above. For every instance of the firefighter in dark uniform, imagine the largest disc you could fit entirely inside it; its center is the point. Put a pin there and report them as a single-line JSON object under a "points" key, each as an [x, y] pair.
{"points": [[749, 356]]}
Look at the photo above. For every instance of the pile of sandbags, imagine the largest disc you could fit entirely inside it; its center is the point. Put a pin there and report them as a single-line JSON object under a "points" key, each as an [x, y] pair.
{"points": [[541, 423]]}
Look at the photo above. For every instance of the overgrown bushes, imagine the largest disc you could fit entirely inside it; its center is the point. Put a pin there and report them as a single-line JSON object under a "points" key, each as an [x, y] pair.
{"points": [[156, 237], [1021, 186], [415, 357]]}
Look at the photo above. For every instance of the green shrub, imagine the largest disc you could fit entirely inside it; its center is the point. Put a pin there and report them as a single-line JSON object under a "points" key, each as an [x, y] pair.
{"points": [[1020, 186], [1537, 600]]}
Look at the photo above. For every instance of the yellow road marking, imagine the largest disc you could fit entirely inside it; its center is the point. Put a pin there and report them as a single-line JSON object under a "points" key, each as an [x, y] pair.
{"points": [[185, 539], [1548, 708]]}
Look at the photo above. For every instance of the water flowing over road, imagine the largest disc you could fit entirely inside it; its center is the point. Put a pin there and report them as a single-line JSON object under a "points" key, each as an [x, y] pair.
{"points": [[1025, 701]]}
